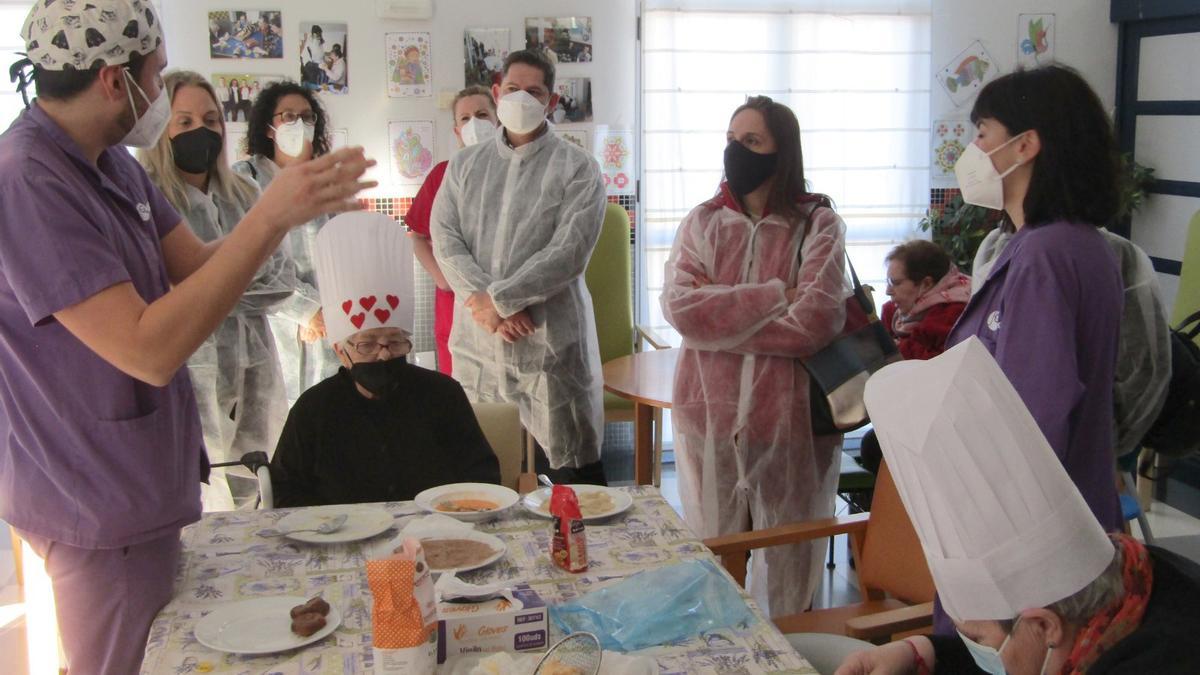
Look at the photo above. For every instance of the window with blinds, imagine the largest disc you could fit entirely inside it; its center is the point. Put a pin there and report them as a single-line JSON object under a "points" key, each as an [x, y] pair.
{"points": [[858, 82]]}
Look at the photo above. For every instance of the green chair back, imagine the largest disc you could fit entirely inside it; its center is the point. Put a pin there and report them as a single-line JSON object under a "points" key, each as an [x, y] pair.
{"points": [[610, 282], [1187, 300]]}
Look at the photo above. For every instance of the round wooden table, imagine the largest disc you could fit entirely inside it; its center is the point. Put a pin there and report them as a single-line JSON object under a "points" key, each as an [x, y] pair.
{"points": [[646, 378]]}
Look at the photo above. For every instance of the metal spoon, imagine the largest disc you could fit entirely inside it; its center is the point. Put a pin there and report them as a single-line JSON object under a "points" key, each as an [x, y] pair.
{"points": [[545, 480], [328, 527]]}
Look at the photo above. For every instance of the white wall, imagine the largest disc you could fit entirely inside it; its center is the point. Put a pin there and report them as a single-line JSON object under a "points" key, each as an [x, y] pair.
{"points": [[366, 110], [1086, 40]]}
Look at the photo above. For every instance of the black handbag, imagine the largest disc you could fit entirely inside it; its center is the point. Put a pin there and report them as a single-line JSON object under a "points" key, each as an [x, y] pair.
{"points": [[838, 373]]}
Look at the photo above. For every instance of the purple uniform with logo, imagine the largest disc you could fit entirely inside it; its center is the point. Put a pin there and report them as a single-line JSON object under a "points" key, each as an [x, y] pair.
{"points": [[98, 470], [1050, 313]]}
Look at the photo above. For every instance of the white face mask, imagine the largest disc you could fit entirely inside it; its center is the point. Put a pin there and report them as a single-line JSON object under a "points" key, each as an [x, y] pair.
{"points": [[978, 179], [477, 130], [147, 128], [290, 137], [988, 659], [520, 112]]}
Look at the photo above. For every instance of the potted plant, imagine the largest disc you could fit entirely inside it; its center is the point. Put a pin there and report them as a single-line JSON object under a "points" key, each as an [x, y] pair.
{"points": [[959, 228]]}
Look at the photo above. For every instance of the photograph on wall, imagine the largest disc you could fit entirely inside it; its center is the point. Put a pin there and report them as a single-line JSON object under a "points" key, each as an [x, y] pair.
{"points": [[613, 148], [338, 139], [410, 145], [235, 142], [237, 91], [580, 137], [486, 51], [1035, 40], [949, 139], [408, 64], [562, 39], [966, 74], [574, 100], [245, 34], [324, 54]]}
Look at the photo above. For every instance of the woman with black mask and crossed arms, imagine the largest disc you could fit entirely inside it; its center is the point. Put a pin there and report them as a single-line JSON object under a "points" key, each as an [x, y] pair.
{"points": [[755, 282]]}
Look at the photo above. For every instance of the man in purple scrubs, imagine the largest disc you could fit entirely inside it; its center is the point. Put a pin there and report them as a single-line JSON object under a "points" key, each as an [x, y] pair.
{"points": [[103, 296]]}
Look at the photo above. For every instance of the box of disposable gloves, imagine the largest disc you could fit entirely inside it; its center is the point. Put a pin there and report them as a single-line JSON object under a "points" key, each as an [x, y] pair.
{"points": [[510, 619]]}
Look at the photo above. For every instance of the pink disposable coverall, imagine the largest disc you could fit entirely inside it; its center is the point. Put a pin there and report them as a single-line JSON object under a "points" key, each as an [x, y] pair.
{"points": [[744, 445]]}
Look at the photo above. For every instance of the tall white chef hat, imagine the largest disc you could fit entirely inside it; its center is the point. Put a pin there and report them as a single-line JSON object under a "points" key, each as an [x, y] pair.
{"points": [[364, 266], [1003, 527]]}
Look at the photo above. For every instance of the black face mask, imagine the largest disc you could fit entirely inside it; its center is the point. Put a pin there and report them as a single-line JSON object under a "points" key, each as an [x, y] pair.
{"points": [[196, 151], [745, 169], [381, 378]]}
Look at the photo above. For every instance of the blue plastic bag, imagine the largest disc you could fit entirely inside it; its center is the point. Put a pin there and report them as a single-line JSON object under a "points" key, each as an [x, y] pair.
{"points": [[656, 607]]}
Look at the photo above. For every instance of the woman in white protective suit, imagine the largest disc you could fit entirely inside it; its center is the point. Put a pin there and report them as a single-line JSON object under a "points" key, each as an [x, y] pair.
{"points": [[235, 373], [756, 281], [286, 126]]}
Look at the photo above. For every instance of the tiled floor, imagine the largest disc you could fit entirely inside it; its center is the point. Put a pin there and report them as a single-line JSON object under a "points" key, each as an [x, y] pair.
{"points": [[838, 587]]}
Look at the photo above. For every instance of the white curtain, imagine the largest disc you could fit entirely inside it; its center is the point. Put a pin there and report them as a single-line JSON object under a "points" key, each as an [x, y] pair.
{"points": [[857, 80]]}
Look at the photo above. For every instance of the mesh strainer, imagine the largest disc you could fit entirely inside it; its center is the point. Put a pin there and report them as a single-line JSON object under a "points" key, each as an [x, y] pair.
{"points": [[576, 654]]}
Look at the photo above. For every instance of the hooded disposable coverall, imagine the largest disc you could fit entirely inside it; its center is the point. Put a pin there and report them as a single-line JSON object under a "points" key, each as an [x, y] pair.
{"points": [[520, 224], [744, 445], [304, 364], [236, 373]]}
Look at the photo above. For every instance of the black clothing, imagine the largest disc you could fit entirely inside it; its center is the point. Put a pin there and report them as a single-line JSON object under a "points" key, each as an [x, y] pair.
{"points": [[340, 447], [1161, 645]]}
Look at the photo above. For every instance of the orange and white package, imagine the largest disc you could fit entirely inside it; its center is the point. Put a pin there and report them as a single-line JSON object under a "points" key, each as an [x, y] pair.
{"points": [[404, 614]]}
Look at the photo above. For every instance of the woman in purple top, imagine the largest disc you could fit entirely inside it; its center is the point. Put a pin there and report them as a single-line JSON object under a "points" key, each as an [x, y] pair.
{"points": [[1050, 309]]}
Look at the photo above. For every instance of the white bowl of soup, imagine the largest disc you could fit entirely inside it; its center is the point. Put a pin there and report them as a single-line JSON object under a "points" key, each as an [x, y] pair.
{"points": [[468, 502]]}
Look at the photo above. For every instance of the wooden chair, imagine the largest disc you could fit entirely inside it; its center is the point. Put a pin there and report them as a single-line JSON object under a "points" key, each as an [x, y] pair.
{"points": [[501, 426], [893, 576]]}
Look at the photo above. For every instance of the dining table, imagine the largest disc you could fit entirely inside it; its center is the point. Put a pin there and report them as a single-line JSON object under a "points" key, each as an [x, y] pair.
{"points": [[646, 378], [225, 559]]}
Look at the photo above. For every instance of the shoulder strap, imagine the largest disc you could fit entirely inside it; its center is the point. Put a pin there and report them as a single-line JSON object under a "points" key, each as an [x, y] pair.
{"points": [[860, 294], [1186, 328]]}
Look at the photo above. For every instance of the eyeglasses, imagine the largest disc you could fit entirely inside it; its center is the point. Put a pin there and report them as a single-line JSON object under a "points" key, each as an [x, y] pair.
{"points": [[893, 283], [308, 117], [371, 347]]}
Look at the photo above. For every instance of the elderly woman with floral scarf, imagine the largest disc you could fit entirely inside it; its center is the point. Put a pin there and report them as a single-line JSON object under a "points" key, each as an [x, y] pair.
{"points": [[927, 293]]}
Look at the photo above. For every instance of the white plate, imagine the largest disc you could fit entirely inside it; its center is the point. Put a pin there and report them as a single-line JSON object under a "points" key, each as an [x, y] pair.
{"points": [[497, 494], [538, 501], [362, 522], [259, 626], [460, 532]]}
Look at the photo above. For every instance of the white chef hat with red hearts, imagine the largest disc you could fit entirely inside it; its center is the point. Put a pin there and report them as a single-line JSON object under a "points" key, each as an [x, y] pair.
{"points": [[364, 265]]}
